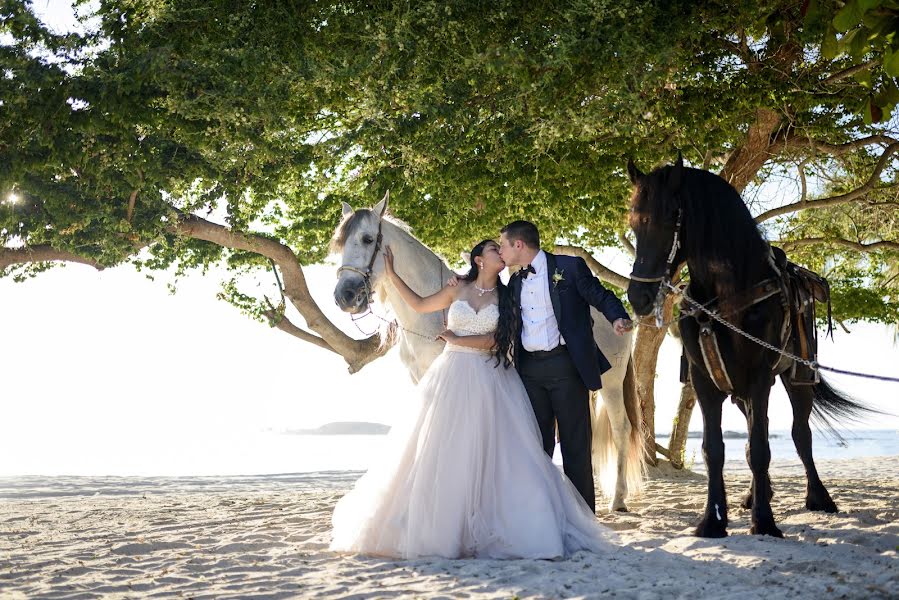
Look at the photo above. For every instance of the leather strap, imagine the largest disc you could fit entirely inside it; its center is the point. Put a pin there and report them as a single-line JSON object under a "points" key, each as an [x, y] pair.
{"points": [[711, 356]]}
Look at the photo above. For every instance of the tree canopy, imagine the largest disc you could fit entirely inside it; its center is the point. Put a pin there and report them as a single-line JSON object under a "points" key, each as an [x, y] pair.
{"points": [[175, 133]]}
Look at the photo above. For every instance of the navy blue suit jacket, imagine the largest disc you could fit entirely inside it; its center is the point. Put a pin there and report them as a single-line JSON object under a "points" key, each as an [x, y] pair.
{"points": [[572, 298]]}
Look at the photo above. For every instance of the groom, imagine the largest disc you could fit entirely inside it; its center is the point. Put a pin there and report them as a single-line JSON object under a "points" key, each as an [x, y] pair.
{"points": [[554, 350]]}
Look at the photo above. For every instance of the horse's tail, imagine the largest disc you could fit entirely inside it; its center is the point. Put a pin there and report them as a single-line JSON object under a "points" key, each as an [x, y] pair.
{"points": [[831, 406], [636, 457], [604, 456], [605, 451]]}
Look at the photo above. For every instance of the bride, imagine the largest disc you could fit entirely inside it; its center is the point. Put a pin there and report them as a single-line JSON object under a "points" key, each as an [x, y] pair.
{"points": [[466, 475]]}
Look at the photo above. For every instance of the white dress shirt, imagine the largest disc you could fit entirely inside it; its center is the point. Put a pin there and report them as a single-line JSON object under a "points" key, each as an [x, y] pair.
{"points": [[539, 331]]}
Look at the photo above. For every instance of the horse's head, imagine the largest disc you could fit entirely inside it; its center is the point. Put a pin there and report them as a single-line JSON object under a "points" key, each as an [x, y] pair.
{"points": [[358, 239], [655, 217]]}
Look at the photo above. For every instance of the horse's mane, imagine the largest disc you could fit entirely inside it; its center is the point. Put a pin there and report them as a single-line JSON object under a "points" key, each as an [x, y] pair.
{"points": [[717, 225]]}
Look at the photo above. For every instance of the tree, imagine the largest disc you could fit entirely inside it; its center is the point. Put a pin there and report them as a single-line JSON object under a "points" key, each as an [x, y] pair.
{"points": [[121, 142]]}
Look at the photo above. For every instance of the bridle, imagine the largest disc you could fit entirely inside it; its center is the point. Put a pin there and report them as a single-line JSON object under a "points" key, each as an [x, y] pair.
{"points": [[664, 280], [366, 273], [369, 292]]}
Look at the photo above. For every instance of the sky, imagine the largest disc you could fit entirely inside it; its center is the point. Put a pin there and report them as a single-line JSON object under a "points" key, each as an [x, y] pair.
{"points": [[108, 360]]}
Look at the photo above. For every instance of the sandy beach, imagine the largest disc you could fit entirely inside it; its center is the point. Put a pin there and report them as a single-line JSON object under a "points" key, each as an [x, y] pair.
{"points": [[267, 537]]}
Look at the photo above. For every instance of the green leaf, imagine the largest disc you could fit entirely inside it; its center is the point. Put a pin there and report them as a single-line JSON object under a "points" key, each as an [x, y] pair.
{"points": [[859, 45], [890, 92], [829, 47], [848, 17], [867, 5], [864, 78], [891, 62]]}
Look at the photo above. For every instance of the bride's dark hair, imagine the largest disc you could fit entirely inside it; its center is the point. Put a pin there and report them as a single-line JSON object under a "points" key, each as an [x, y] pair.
{"points": [[505, 328]]}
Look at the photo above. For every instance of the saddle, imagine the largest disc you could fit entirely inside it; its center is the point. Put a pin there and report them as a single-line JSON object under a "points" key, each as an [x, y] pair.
{"points": [[802, 288], [799, 289]]}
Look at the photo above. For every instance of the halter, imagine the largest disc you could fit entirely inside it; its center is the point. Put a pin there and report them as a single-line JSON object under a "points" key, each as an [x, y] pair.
{"points": [[366, 274], [664, 280], [675, 244], [369, 293]]}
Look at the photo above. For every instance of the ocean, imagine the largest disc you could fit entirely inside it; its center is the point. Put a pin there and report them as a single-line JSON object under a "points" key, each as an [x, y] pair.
{"points": [[854, 444], [274, 452]]}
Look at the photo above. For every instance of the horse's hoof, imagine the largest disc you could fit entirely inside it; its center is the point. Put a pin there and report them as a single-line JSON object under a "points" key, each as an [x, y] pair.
{"points": [[766, 528], [825, 504], [711, 528], [619, 508]]}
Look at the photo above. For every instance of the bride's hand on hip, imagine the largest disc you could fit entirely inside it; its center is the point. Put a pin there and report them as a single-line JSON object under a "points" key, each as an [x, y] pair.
{"points": [[447, 336]]}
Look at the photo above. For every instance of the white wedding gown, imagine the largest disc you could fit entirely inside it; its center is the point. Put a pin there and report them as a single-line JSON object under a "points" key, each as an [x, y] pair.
{"points": [[466, 475]]}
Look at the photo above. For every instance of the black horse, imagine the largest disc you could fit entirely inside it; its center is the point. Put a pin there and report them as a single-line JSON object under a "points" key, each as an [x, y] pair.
{"points": [[688, 215]]}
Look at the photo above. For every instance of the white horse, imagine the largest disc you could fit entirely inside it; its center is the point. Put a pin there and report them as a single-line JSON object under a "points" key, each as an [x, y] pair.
{"points": [[361, 238]]}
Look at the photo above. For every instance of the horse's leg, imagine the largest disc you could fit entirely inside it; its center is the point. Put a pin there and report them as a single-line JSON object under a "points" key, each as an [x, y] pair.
{"points": [[747, 499], [613, 403], [759, 456], [711, 400], [802, 397], [612, 427]]}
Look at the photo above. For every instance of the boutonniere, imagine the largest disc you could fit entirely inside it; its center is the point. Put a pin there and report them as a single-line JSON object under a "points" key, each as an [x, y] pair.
{"points": [[557, 277]]}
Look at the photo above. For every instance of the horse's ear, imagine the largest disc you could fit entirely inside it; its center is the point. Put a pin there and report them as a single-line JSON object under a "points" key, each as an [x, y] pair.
{"points": [[677, 173], [632, 170], [466, 256], [347, 210], [381, 207]]}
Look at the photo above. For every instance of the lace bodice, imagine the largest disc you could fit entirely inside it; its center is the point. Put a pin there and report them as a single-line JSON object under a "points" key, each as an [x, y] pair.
{"points": [[463, 319]]}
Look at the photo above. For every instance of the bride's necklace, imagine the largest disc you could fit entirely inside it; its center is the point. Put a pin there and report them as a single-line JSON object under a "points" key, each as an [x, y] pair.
{"points": [[482, 291]]}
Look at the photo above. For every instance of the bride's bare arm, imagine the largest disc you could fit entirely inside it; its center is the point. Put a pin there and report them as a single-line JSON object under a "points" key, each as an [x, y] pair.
{"points": [[482, 342], [434, 302]]}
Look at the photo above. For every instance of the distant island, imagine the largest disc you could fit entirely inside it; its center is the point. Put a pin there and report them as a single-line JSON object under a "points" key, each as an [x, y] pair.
{"points": [[343, 428]]}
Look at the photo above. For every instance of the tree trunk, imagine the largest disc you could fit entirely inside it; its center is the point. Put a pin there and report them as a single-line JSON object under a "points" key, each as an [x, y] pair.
{"points": [[746, 160], [677, 444], [646, 354]]}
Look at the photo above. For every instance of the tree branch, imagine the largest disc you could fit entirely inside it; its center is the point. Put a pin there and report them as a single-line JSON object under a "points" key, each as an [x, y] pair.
{"points": [[622, 237], [849, 72], [879, 245], [803, 189], [600, 270], [132, 200], [839, 149], [663, 451], [357, 353], [286, 325], [835, 200], [42, 253]]}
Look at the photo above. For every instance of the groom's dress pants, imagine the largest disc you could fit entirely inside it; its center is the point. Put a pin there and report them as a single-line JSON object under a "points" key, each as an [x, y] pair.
{"points": [[558, 394]]}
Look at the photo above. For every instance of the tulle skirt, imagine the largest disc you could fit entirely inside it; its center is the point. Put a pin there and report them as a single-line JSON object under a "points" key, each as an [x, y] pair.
{"points": [[465, 475]]}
